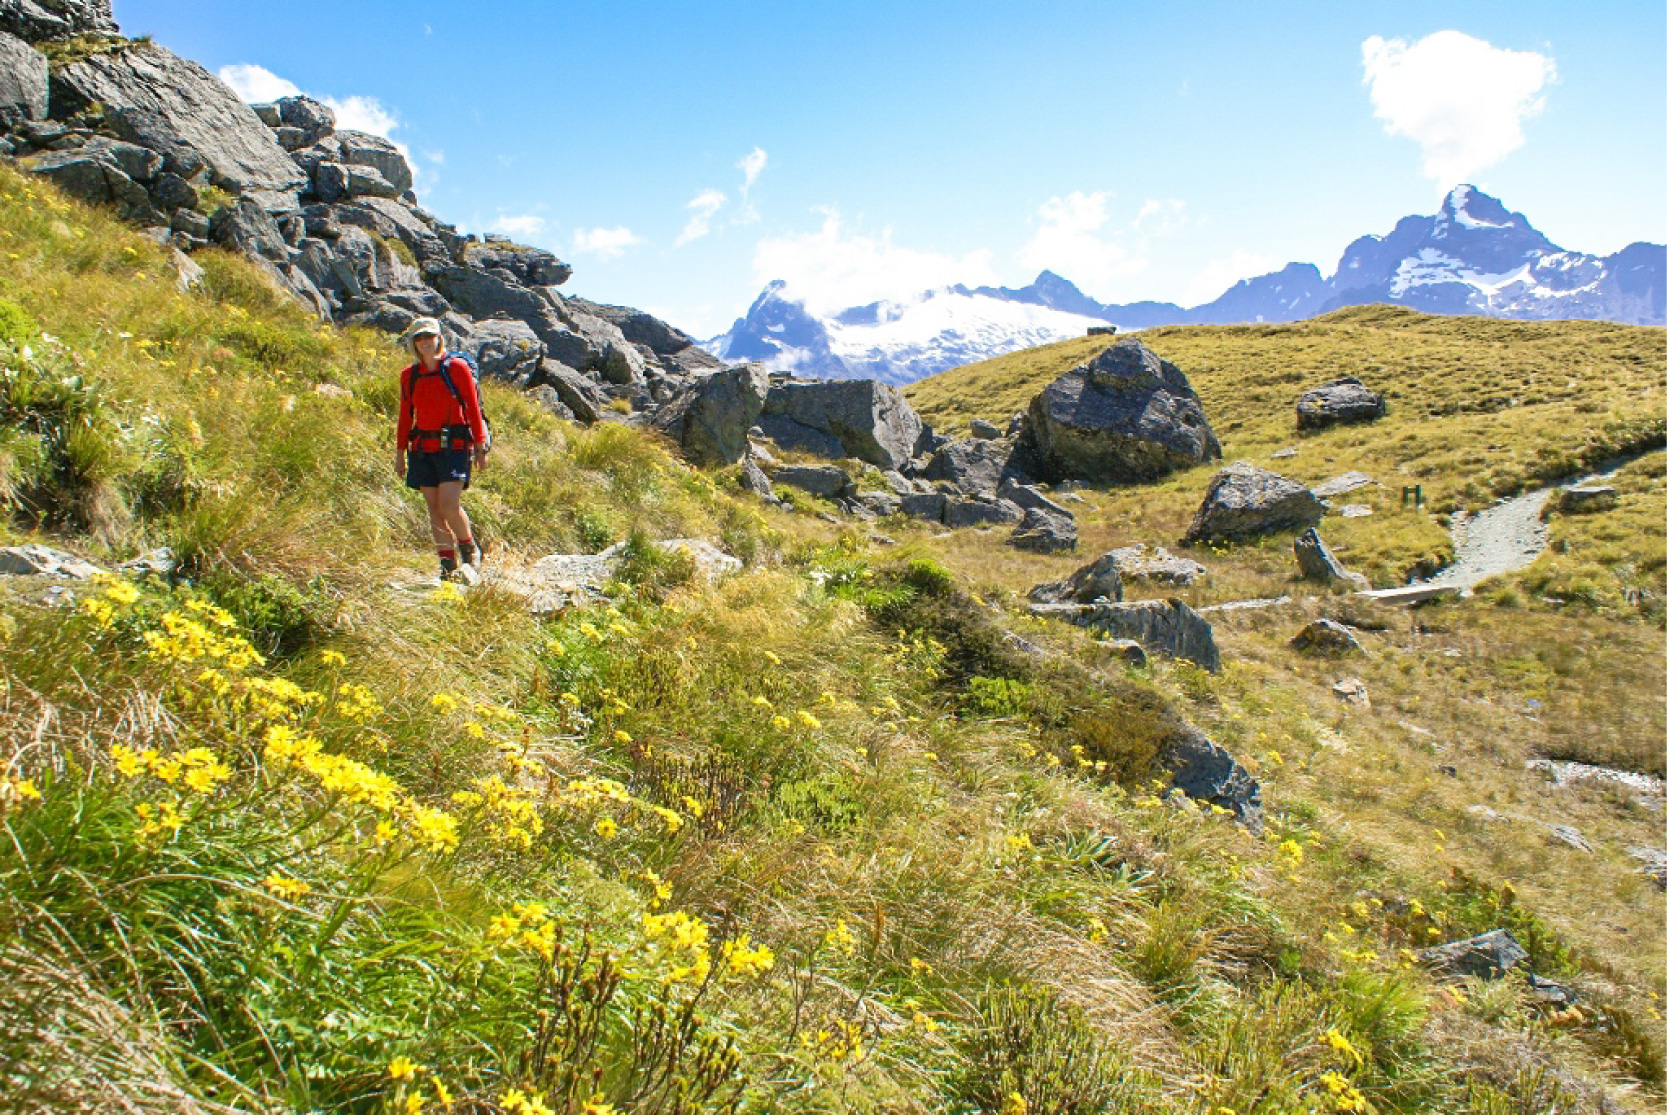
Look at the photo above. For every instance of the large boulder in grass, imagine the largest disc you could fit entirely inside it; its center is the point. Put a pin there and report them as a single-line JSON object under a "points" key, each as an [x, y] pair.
{"points": [[1124, 417], [1166, 627], [1204, 771], [1244, 501], [23, 82], [859, 418], [1318, 563], [153, 97], [710, 418], [1340, 402], [1100, 579], [972, 466], [1487, 956]]}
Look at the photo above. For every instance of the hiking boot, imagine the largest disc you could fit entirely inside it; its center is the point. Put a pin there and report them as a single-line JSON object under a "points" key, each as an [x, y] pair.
{"points": [[448, 568], [473, 553]]}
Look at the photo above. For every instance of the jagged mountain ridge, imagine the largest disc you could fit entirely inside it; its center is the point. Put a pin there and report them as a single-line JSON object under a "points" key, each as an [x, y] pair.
{"points": [[1473, 256]]}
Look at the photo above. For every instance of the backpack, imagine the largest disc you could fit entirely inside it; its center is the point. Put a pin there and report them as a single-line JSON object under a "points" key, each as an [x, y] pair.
{"points": [[454, 433]]}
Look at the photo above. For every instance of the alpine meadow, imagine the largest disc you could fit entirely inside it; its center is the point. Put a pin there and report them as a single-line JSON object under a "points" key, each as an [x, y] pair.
{"points": [[793, 748]]}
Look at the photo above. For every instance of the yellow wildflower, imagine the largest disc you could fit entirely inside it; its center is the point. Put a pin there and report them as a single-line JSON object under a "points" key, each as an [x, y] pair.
{"points": [[284, 887], [1291, 848], [621, 736], [473, 730], [128, 763], [122, 593], [807, 720], [443, 703], [1014, 1104], [606, 827], [745, 960], [441, 1092], [414, 1104], [774, 659], [1342, 1045], [779, 721], [403, 1068], [841, 939], [332, 658]]}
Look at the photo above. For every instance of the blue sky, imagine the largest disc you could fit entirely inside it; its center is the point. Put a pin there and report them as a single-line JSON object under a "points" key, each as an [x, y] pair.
{"points": [[680, 155]]}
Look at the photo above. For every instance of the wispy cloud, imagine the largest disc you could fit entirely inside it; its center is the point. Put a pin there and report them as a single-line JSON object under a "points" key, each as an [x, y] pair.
{"points": [[750, 167], [525, 224], [257, 84], [1461, 99], [831, 268], [604, 243], [1076, 238], [702, 207], [362, 114], [1216, 276]]}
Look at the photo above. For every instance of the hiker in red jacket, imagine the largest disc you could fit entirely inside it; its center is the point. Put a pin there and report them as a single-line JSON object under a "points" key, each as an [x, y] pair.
{"points": [[440, 431]]}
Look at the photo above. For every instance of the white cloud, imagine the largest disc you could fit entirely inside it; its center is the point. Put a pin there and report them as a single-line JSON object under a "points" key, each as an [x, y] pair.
{"points": [[830, 269], [526, 224], [257, 85], [1073, 240], [701, 209], [1215, 277], [1462, 100], [363, 114], [751, 167], [1161, 216], [604, 243]]}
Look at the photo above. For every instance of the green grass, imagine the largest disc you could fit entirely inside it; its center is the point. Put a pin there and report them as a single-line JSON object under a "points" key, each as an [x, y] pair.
{"points": [[819, 838]]}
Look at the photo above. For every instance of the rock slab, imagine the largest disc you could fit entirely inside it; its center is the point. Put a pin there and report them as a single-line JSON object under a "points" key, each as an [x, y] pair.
{"points": [[1244, 501], [1123, 417], [1166, 627], [1318, 563], [1339, 402], [1487, 956], [1204, 771], [865, 419], [710, 418]]}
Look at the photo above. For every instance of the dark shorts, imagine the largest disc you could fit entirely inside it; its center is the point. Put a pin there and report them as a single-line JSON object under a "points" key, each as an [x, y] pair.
{"points": [[430, 470]]}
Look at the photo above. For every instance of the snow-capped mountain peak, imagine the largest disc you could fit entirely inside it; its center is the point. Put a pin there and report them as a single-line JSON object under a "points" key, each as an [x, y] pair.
{"points": [[1473, 256]]}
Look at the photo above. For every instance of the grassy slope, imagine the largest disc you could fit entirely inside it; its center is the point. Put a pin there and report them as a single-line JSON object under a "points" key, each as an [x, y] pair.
{"points": [[835, 755]]}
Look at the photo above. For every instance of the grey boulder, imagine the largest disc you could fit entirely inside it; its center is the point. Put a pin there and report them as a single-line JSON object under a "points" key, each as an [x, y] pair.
{"points": [[827, 481], [1044, 532], [23, 82], [972, 466], [1166, 627], [1583, 498], [1488, 956], [1318, 563], [156, 99], [37, 20], [1244, 501], [1204, 771], [856, 418], [311, 119], [1100, 579], [1339, 402], [506, 349], [94, 177], [1123, 417], [361, 149], [1157, 565], [710, 417], [1326, 636], [44, 561], [980, 510], [580, 395]]}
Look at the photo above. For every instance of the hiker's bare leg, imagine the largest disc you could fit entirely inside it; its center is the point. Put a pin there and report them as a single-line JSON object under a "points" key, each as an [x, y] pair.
{"points": [[437, 524], [450, 510]]}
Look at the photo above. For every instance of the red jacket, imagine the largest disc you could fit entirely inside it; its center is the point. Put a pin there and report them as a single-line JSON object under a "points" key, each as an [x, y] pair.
{"points": [[429, 407]]}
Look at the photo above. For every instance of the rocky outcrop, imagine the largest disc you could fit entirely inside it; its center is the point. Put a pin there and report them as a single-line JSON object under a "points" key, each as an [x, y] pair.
{"points": [[23, 82], [1204, 771], [1166, 627], [849, 418], [1319, 564], [1582, 498], [1046, 526], [827, 481], [711, 417], [41, 20], [1244, 501], [1340, 402], [972, 466], [1123, 417], [1100, 579], [1156, 565], [35, 560], [1326, 636], [1488, 956], [150, 96]]}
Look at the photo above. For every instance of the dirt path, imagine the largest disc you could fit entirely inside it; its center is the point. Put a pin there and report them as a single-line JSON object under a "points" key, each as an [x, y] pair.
{"points": [[1506, 537]]}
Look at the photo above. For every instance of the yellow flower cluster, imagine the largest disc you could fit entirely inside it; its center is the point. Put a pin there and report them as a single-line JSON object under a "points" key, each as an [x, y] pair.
{"points": [[679, 939], [286, 749], [840, 938], [511, 817], [159, 818], [357, 702], [745, 959], [198, 769], [284, 887], [1344, 1095], [17, 791], [590, 793], [528, 926], [840, 1043]]}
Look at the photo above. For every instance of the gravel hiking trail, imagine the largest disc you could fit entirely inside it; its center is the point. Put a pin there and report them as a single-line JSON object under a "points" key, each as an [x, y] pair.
{"points": [[1507, 536]]}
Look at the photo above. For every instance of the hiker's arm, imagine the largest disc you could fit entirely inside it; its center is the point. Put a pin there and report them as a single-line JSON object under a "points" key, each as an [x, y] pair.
{"points": [[403, 429]]}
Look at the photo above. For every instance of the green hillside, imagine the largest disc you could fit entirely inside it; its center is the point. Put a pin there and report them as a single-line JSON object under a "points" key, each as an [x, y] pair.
{"points": [[296, 833]]}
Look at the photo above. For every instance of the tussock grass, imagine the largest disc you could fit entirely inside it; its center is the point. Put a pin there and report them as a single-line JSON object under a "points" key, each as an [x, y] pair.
{"points": [[298, 836]]}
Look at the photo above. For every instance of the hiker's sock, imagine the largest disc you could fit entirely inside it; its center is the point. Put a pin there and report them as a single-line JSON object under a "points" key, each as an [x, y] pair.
{"points": [[466, 551]]}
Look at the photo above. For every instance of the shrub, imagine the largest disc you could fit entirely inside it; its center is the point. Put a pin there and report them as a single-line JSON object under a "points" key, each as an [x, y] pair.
{"points": [[1029, 1044]]}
